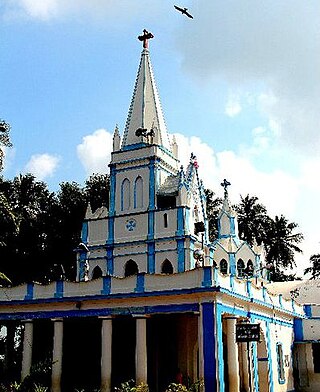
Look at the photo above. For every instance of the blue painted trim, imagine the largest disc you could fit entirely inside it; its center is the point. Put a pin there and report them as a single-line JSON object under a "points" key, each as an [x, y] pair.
{"points": [[59, 289], [280, 301], [151, 258], [232, 264], [110, 239], [232, 227], [248, 286], [112, 200], [140, 283], [298, 329], [209, 347], [135, 146], [150, 225], [181, 254], [207, 277], [174, 308], [270, 357], [264, 293], [307, 310], [84, 232], [106, 290], [152, 193], [232, 282], [110, 264], [180, 221], [29, 294], [82, 261]]}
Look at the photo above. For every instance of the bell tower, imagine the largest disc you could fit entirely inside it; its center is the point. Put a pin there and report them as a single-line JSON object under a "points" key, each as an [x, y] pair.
{"points": [[156, 218]]}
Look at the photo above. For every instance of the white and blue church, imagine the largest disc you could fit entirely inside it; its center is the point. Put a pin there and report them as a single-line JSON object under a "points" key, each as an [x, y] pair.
{"points": [[152, 294]]}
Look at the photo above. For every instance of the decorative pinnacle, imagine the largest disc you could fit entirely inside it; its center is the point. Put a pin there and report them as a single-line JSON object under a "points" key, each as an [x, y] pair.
{"points": [[225, 185], [145, 37]]}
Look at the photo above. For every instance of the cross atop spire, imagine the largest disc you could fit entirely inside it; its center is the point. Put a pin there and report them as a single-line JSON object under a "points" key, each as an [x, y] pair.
{"points": [[225, 185], [145, 37]]}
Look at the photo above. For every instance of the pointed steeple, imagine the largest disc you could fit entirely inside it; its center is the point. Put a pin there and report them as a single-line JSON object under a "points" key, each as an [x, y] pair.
{"points": [[227, 219], [145, 111]]}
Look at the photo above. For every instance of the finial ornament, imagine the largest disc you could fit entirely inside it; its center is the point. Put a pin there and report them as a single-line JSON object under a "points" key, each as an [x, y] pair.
{"points": [[225, 185], [145, 37]]}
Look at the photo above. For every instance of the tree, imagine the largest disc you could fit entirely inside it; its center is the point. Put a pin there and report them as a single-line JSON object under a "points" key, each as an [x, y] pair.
{"points": [[252, 219], [213, 205], [24, 256], [4, 140], [97, 190], [281, 245], [314, 270]]}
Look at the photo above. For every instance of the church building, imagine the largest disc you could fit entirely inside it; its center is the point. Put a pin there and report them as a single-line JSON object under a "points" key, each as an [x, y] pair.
{"points": [[153, 296]]}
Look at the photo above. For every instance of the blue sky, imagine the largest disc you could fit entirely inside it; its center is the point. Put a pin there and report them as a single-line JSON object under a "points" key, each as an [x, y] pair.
{"points": [[239, 86]]}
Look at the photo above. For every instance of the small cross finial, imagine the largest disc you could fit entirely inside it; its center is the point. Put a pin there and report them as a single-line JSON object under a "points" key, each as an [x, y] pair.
{"points": [[225, 185], [145, 37]]}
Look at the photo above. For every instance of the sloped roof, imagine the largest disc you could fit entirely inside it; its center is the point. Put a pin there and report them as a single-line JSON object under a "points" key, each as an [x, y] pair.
{"points": [[302, 291], [170, 186]]}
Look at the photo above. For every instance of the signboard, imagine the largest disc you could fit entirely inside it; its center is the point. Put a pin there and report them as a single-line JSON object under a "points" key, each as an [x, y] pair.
{"points": [[247, 332]]}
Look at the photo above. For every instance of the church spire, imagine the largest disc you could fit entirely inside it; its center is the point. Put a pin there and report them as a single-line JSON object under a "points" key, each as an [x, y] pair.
{"points": [[145, 113], [227, 219]]}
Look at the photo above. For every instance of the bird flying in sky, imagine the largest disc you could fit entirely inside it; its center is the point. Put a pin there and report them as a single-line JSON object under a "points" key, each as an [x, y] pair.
{"points": [[183, 11]]}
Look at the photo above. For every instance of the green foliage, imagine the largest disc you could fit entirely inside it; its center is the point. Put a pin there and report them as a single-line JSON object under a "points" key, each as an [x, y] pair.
{"points": [[173, 387], [278, 235], [130, 386], [39, 227], [213, 207], [314, 269]]}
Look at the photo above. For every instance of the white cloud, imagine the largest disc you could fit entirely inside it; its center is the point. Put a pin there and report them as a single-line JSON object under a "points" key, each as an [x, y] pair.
{"points": [[44, 9], [111, 10], [42, 165], [233, 106], [95, 151], [272, 47], [293, 195]]}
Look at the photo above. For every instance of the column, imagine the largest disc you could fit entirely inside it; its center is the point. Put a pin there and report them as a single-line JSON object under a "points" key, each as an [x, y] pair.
{"points": [[233, 357], [141, 350], [106, 354], [27, 349], [57, 355]]}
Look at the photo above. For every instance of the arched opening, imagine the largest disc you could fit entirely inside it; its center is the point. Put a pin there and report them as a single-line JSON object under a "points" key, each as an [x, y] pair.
{"points": [[250, 268], [131, 268], [96, 273], [125, 195], [224, 267], [240, 268], [167, 267], [138, 193]]}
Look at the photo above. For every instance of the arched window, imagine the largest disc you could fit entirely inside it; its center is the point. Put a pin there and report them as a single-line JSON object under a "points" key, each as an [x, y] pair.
{"points": [[96, 273], [250, 268], [224, 266], [131, 268], [240, 268], [166, 267], [165, 220], [125, 195], [138, 193]]}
